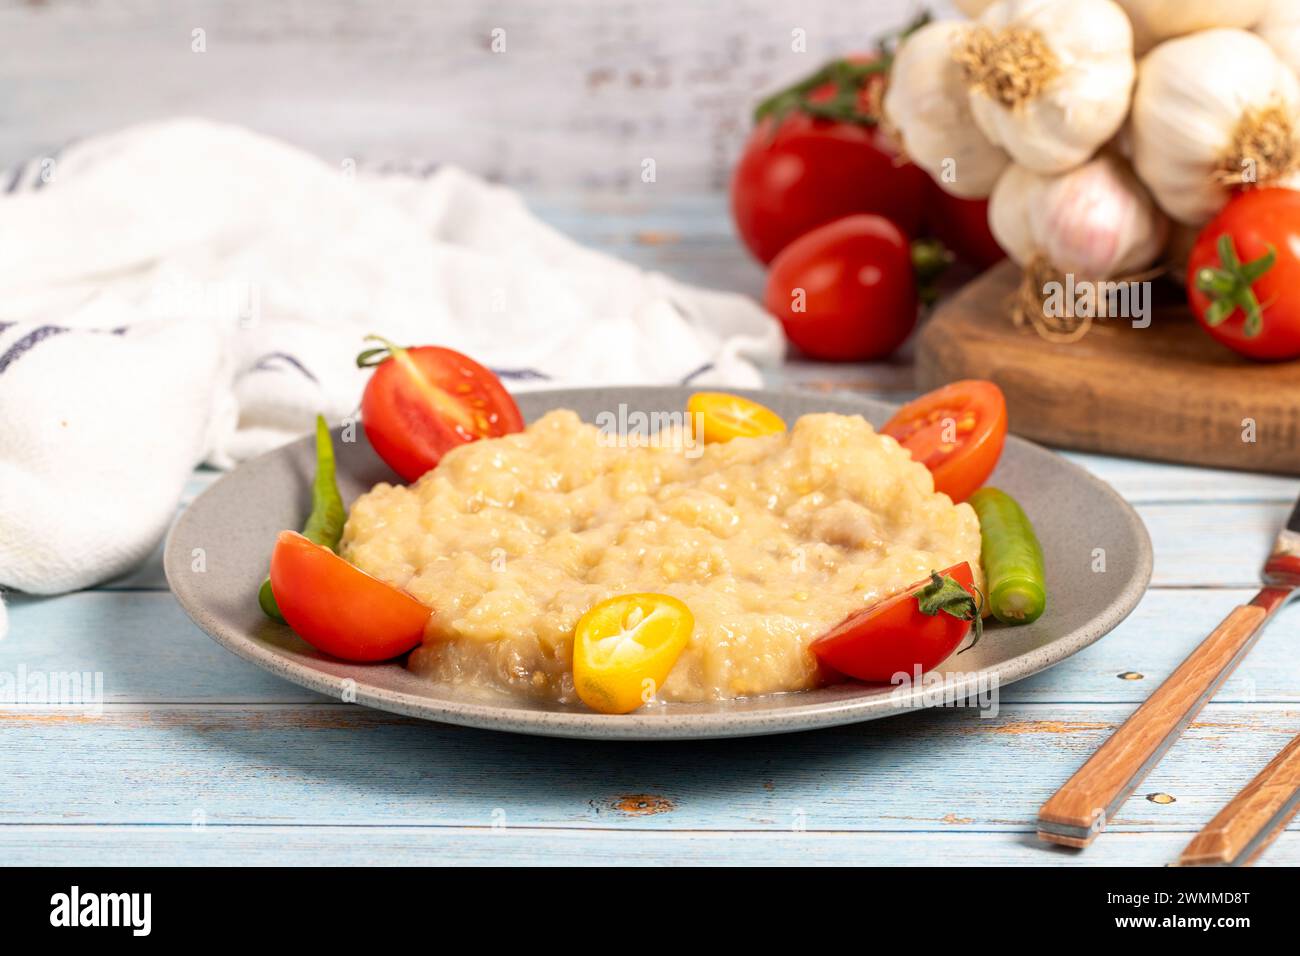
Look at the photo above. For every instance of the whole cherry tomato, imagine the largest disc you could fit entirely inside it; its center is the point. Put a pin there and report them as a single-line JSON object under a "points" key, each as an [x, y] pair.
{"points": [[1243, 276], [817, 154], [845, 291]]}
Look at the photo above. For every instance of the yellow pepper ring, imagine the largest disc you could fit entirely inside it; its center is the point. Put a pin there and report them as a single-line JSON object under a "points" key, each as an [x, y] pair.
{"points": [[625, 647]]}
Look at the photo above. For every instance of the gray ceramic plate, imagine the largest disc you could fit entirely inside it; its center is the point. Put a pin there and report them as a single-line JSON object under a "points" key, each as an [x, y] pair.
{"points": [[236, 520]]}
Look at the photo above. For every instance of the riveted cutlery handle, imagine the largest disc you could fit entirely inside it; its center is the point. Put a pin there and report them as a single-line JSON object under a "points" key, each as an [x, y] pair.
{"points": [[1080, 810], [1254, 818]]}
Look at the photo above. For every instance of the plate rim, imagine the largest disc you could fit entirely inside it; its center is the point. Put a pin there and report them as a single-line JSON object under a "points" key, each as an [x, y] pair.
{"points": [[662, 724]]}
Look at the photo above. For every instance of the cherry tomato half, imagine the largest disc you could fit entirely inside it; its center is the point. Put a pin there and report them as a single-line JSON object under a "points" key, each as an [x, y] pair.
{"points": [[339, 609], [845, 292], [422, 402], [956, 431], [1243, 276], [895, 636]]}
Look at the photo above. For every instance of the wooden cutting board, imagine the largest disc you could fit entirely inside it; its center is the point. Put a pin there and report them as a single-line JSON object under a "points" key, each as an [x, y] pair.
{"points": [[1167, 392]]}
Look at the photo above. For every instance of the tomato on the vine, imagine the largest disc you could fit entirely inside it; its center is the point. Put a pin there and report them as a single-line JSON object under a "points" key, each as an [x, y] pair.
{"points": [[817, 154], [962, 225], [845, 291], [1243, 276]]}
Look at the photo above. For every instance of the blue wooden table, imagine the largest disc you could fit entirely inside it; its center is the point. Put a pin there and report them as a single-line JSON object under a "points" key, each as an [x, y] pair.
{"points": [[197, 757]]}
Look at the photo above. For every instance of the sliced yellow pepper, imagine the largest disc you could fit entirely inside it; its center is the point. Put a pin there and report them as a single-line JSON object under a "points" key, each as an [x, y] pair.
{"points": [[730, 416], [624, 648]]}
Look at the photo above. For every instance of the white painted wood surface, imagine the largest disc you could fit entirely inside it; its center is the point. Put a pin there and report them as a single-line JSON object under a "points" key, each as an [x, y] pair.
{"points": [[583, 92], [200, 758]]}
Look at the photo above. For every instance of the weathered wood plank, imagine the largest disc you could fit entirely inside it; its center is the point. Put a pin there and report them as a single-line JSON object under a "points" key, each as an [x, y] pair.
{"points": [[577, 97], [149, 651], [334, 764], [141, 642], [458, 846], [1144, 482], [1129, 663], [1220, 546]]}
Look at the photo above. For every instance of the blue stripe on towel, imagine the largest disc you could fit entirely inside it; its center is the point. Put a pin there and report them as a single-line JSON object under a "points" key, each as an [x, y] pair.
{"points": [[520, 374], [32, 170], [698, 372], [265, 364], [16, 178], [25, 343], [40, 334]]}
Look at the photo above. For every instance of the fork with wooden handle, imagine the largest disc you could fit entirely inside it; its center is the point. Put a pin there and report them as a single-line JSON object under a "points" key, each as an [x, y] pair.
{"points": [[1254, 818], [1080, 810]]}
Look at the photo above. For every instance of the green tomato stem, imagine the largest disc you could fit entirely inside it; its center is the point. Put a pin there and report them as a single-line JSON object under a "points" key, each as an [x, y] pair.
{"points": [[1229, 286]]}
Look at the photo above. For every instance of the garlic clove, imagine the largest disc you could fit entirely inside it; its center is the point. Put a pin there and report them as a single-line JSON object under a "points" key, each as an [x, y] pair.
{"points": [[926, 103], [1158, 20], [1017, 190], [1049, 80], [1280, 28], [1096, 221], [1213, 111]]}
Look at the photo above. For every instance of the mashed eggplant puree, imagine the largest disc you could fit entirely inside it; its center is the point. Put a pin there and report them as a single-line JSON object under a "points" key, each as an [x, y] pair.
{"points": [[769, 541]]}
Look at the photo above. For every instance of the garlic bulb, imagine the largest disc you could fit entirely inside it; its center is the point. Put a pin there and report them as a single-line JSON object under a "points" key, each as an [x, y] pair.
{"points": [[1095, 222], [1157, 20], [926, 103], [973, 8], [1213, 111], [1280, 29], [1049, 80]]}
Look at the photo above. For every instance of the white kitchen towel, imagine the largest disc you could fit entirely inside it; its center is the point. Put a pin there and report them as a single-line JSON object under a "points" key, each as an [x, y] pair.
{"points": [[186, 291]]}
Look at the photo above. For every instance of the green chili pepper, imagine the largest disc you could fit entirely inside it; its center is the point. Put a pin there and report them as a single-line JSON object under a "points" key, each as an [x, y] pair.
{"points": [[1012, 558], [325, 523]]}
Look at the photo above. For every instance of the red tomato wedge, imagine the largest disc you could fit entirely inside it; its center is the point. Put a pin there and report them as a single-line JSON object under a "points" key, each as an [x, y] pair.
{"points": [[338, 608], [918, 628], [422, 402], [956, 431]]}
